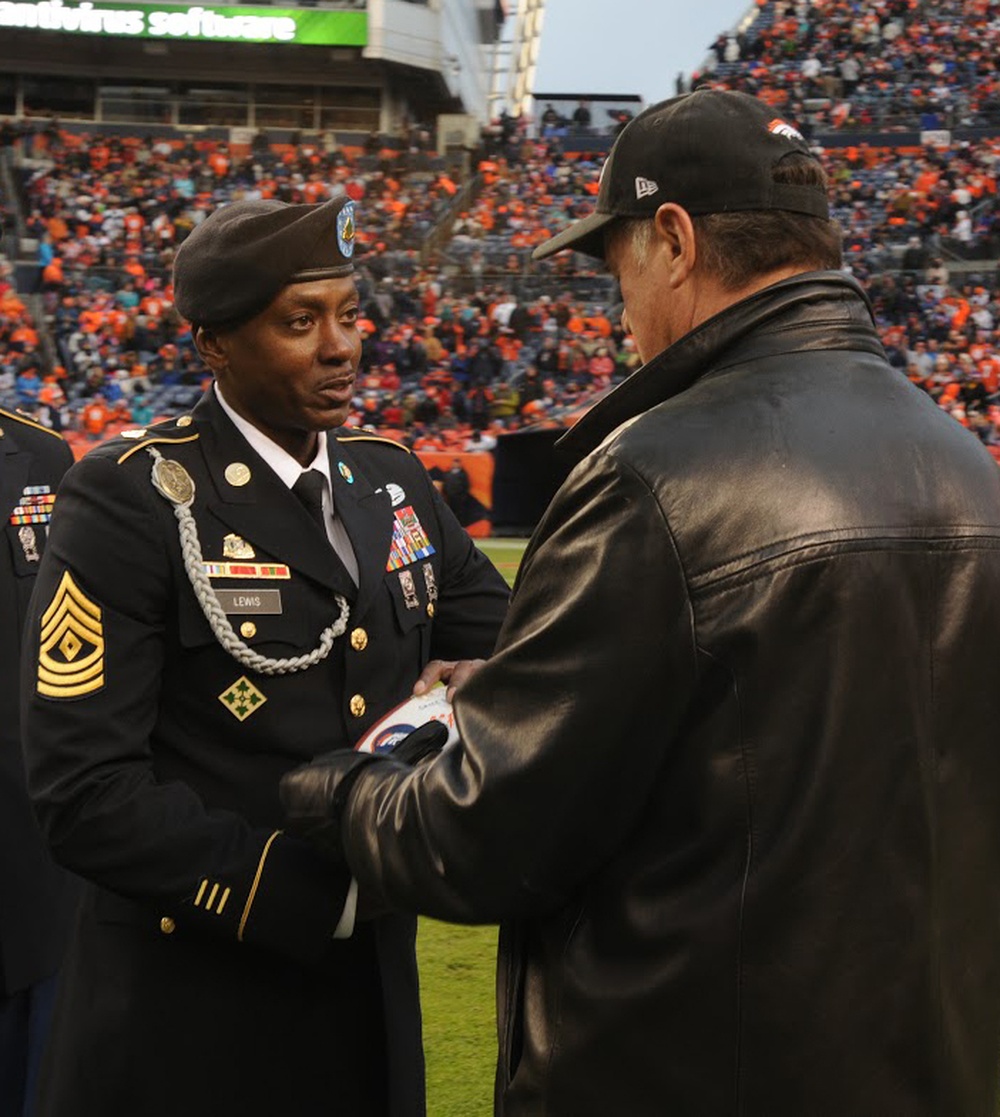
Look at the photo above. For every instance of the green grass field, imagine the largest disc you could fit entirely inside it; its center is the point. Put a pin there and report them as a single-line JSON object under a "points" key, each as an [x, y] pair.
{"points": [[457, 970]]}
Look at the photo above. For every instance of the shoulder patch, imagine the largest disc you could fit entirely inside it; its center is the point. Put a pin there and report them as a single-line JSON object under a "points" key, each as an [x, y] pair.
{"points": [[141, 442], [71, 647], [20, 417], [350, 439]]}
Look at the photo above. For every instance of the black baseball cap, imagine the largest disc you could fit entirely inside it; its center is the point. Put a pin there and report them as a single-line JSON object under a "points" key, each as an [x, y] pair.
{"points": [[234, 263], [711, 151]]}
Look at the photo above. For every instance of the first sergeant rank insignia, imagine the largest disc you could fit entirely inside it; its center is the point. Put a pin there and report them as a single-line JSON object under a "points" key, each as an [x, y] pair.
{"points": [[71, 650]]}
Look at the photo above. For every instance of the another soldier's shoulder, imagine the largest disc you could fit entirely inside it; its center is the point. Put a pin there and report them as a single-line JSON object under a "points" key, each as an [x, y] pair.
{"points": [[26, 427], [46, 446]]}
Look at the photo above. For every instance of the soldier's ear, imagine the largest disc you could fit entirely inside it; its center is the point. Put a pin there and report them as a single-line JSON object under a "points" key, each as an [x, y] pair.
{"points": [[210, 348]]}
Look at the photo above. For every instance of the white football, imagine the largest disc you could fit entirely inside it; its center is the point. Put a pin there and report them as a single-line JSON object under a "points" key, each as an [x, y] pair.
{"points": [[400, 721]]}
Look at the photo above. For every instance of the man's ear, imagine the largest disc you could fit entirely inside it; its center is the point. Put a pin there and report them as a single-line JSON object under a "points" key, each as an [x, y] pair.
{"points": [[675, 234], [210, 348]]}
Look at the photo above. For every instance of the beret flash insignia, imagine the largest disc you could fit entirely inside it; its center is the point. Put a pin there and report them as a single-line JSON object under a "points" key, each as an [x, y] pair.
{"points": [[345, 230]]}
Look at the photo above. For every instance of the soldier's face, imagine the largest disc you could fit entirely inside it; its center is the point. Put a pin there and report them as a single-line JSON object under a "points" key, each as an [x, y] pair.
{"points": [[290, 370]]}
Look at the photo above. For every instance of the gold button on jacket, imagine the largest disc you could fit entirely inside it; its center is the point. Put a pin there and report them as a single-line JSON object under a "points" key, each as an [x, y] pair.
{"points": [[359, 639], [167, 925], [248, 630], [358, 706]]}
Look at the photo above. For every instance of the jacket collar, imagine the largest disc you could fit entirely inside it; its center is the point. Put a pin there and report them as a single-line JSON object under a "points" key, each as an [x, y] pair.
{"points": [[263, 510], [815, 310]]}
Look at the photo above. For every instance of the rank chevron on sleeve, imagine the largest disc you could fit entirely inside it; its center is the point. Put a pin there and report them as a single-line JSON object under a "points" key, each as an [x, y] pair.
{"points": [[71, 649]]}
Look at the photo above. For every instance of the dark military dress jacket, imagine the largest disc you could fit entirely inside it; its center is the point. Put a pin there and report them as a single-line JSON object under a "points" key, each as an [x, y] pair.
{"points": [[35, 896], [204, 977]]}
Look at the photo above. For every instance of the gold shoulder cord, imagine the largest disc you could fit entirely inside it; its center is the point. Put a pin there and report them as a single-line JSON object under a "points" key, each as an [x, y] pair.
{"points": [[173, 482]]}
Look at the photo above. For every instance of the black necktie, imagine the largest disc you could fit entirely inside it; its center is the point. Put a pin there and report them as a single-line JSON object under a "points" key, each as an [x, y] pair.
{"points": [[309, 489]]}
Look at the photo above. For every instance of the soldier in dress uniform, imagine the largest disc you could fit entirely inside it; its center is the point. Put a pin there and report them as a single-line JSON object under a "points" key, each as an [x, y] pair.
{"points": [[224, 596], [35, 896]]}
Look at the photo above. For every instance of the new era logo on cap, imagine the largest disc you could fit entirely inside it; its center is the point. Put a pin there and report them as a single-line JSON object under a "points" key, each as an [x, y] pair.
{"points": [[645, 187]]}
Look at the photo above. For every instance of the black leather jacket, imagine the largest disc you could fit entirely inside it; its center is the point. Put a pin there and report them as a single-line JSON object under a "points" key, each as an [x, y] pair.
{"points": [[732, 780]]}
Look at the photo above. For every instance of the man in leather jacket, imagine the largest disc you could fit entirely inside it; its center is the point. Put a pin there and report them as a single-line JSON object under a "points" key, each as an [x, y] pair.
{"points": [[730, 781]]}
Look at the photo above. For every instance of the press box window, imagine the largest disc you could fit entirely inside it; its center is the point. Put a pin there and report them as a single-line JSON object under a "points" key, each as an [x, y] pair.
{"points": [[142, 104], [70, 98]]}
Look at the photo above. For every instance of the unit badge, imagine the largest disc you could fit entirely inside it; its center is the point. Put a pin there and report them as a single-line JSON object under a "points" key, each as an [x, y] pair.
{"points": [[396, 492], [242, 698], [71, 650]]}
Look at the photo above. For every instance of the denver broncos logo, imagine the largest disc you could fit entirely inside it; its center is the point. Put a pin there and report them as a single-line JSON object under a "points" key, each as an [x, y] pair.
{"points": [[779, 127]]}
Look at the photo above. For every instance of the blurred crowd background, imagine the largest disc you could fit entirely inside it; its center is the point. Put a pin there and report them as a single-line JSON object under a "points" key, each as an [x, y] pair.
{"points": [[467, 342]]}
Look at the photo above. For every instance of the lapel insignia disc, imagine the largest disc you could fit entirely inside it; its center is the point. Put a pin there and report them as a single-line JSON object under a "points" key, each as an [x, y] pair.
{"points": [[173, 481], [236, 547], [409, 540], [71, 651], [237, 474], [409, 589], [242, 698], [345, 472]]}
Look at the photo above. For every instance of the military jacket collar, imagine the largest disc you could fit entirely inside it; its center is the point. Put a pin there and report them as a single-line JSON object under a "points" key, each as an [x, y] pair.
{"points": [[265, 512], [763, 324]]}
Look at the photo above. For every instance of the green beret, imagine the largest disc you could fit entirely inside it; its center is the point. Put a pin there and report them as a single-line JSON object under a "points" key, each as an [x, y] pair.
{"points": [[237, 260]]}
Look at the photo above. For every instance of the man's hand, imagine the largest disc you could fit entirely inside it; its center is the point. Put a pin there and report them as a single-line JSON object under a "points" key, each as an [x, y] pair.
{"points": [[452, 672]]}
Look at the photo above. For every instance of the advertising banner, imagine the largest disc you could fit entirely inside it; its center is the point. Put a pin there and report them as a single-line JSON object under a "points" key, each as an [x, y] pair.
{"points": [[308, 26]]}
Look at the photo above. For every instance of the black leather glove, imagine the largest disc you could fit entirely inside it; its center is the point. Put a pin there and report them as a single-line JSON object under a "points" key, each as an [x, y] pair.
{"points": [[426, 740], [314, 796]]}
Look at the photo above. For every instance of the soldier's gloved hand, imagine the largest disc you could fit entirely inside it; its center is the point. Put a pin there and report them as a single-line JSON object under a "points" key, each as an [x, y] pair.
{"points": [[314, 796]]}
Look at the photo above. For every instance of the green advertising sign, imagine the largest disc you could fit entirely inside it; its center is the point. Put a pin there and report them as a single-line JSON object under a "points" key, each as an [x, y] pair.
{"points": [[194, 24]]}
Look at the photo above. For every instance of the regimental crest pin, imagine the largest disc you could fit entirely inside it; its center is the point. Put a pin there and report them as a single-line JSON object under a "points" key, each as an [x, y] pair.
{"points": [[345, 472], [29, 543], [430, 582], [409, 588], [397, 492], [242, 698], [345, 230], [236, 547]]}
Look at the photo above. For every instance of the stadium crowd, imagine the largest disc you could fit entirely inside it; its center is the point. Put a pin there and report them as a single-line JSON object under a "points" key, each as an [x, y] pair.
{"points": [[472, 340]]}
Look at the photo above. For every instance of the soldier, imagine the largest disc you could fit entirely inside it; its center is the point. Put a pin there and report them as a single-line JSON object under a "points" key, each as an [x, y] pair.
{"points": [[35, 896], [226, 595]]}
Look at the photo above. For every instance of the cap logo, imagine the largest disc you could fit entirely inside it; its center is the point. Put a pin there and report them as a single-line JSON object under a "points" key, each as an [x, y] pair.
{"points": [[645, 187], [345, 230], [780, 128]]}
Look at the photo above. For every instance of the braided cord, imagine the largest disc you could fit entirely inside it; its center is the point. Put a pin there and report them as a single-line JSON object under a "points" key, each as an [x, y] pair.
{"points": [[214, 613]]}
